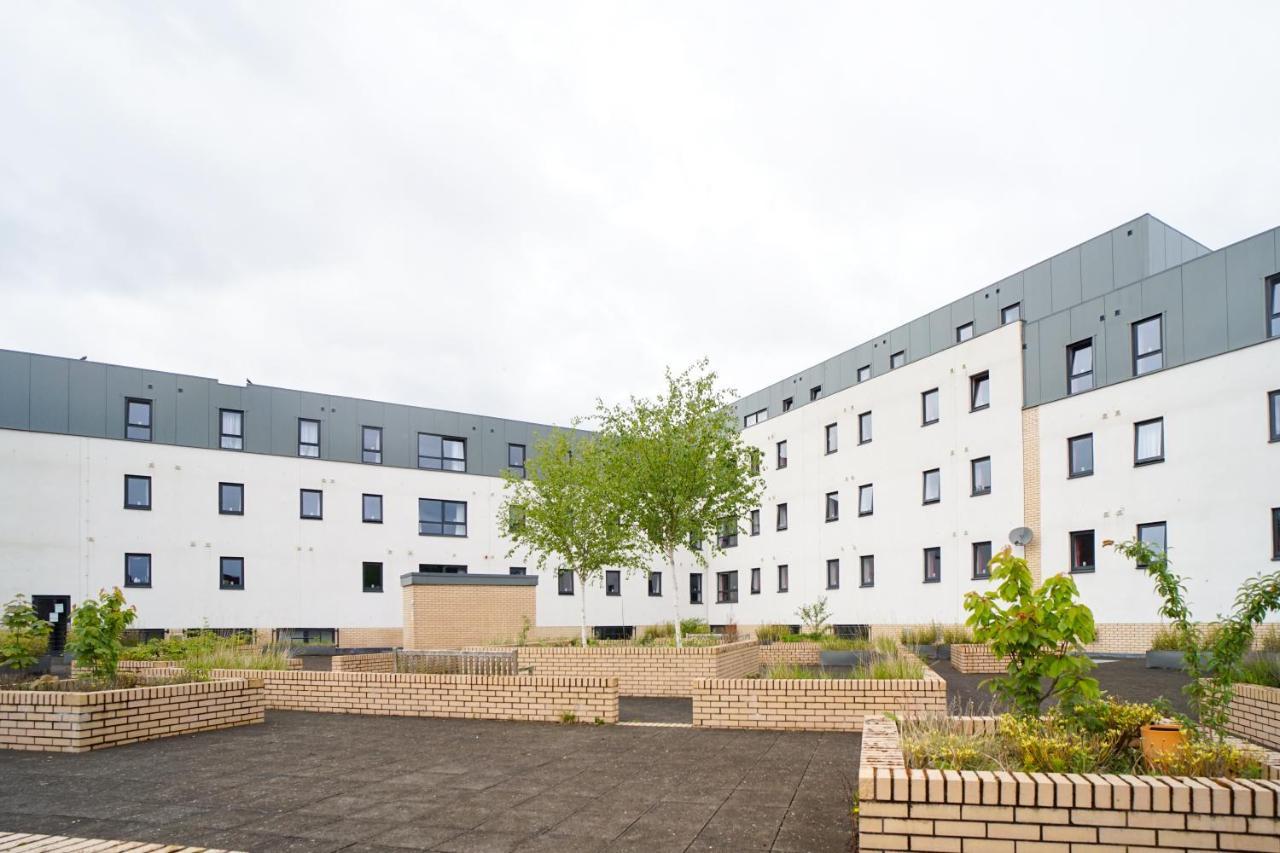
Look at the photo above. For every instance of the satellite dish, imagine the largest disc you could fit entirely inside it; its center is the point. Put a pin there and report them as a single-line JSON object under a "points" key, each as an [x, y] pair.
{"points": [[1020, 536]]}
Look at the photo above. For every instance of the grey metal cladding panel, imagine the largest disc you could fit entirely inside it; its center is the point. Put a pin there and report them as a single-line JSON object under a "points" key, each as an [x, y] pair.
{"points": [[493, 446], [162, 388], [122, 383], [15, 390], [49, 388], [1116, 360], [1009, 291], [1064, 275], [1204, 302], [193, 427], [1156, 243], [259, 419], [1054, 336], [1162, 294], [1249, 263], [286, 408], [1097, 277], [1037, 294], [399, 440], [900, 339], [344, 429], [1128, 252], [921, 343], [1031, 364], [87, 398], [940, 329], [863, 355], [986, 310]]}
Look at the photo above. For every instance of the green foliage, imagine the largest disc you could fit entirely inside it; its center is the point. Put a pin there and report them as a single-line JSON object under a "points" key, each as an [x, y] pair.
{"points": [[772, 633], [525, 625], [680, 467], [814, 616], [1166, 639], [1042, 633], [956, 635], [24, 636], [568, 717], [569, 514], [1263, 670], [97, 626], [1269, 639], [890, 666], [1211, 686], [927, 635], [1200, 757]]}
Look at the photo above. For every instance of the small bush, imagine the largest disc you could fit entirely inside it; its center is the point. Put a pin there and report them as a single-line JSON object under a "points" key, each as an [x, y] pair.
{"points": [[1166, 639], [1206, 758], [97, 626], [24, 636], [925, 636], [772, 633], [956, 635], [1264, 671], [886, 645], [890, 666], [1269, 639]]}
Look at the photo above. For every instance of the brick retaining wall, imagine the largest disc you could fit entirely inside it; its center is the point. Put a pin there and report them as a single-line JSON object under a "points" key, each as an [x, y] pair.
{"points": [[641, 670], [371, 662], [901, 809], [791, 654], [1255, 714], [975, 657], [813, 704], [63, 721]]}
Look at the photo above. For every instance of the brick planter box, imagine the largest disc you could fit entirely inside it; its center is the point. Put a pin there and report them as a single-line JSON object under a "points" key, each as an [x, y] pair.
{"points": [[791, 654], [976, 658], [835, 704], [1255, 714], [901, 809], [641, 670], [57, 721]]}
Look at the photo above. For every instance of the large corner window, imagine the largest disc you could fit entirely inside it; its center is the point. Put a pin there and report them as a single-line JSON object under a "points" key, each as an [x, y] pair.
{"points": [[1148, 346], [1080, 367], [832, 438], [981, 560], [833, 506], [864, 428], [964, 333], [308, 438], [137, 491], [782, 455], [371, 577], [231, 498], [755, 418], [137, 570], [1082, 559], [515, 460], [441, 452], [371, 445], [310, 503], [932, 565], [1148, 441], [137, 419], [231, 429], [867, 570], [613, 582], [442, 518], [932, 486], [979, 391], [980, 471], [866, 500], [231, 573], [929, 407], [726, 587], [1010, 313], [1080, 455], [833, 574]]}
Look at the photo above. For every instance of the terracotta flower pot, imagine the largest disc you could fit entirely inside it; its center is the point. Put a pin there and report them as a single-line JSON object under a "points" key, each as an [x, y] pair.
{"points": [[1158, 738]]}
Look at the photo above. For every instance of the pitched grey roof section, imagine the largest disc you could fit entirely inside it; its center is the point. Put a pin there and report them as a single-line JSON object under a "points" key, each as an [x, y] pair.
{"points": [[60, 395]]}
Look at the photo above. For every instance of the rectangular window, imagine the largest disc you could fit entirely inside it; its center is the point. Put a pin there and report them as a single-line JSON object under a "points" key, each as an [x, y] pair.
{"points": [[1010, 313], [932, 486], [786, 404], [517, 571], [371, 445], [979, 391], [866, 499], [832, 438], [613, 583], [442, 518], [231, 498], [1148, 441], [231, 573], [441, 569], [1080, 367], [137, 570], [755, 581], [728, 534], [864, 373], [964, 333], [1273, 307], [782, 455], [1082, 551], [1080, 455], [1273, 407], [371, 577], [655, 584], [833, 574], [1275, 533], [753, 463], [754, 418], [782, 517], [308, 438], [755, 522], [1148, 346], [815, 392], [726, 587], [864, 428], [137, 419], [867, 570], [564, 582], [311, 503], [441, 452], [784, 579], [515, 459], [929, 407], [833, 506], [1153, 534], [695, 587], [980, 470], [898, 359], [932, 565], [231, 429], [981, 560], [137, 492], [371, 509]]}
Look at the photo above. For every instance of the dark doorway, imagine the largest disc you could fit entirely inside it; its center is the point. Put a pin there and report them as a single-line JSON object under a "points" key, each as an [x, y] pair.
{"points": [[56, 610]]}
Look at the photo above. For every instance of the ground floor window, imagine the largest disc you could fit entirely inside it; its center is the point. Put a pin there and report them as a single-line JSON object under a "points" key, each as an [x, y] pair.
{"points": [[517, 571], [371, 577], [981, 560], [932, 565], [308, 636], [231, 572], [784, 582], [833, 574], [613, 582], [137, 570], [755, 581], [867, 565], [726, 587], [695, 588], [1082, 551], [564, 582], [655, 583], [441, 569]]}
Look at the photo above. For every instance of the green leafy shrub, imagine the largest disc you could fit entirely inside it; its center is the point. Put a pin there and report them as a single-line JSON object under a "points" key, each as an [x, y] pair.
{"points": [[1166, 639], [890, 666], [927, 635], [1264, 671], [956, 635], [886, 645], [814, 616], [772, 633], [1200, 757], [1042, 633], [97, 626], [1269, 639], [24, 636]]}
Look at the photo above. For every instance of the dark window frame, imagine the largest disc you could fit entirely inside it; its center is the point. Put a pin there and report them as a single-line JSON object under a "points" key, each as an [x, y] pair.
{"points": [[1158, 352], [782, 517], [865, 580], [442, 458], [898, 359], [364, 516], [780, 457], [1273, 414], [655, 584], [1272, 307], [1004, 313], [1275, 533], [224, 436], [936, 551], [973, 477], [864, 373], [302, 504], [521, 468], [866, 488], [130, 425], [833, 564], [755, 581], [307, 445], [924, 487], [365, 586], [960, 339], [727, 535], [695, 587], [222, 576], [787, 403], [1082, 568], [1071, 473], [753, 523], [1072, 349], [1150, 460], [127, 583], [141, 477], [982, 568], [442, 568], [976, 381], [727, 590], [518, 571], [815, 392], [924, 407], [465, 524], [759, 416], [864, 437], [831, 501], [1164, 536], [613, 581], [370, 455], [221, 505], [784, 577], [831, 438], [564, 582]]}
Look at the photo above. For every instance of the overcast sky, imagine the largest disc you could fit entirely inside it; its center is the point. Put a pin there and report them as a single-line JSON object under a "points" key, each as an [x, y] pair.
{"points": [[511, 209]]}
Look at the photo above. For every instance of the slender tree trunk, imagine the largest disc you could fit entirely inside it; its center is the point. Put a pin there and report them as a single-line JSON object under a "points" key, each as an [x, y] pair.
{"points": [[582, 606], [675, 589]]}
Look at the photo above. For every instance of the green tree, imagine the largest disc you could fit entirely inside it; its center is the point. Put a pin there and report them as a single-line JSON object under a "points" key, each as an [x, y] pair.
{"points": [[97, 627], [24, 636], [566, 515], [681, 468], [1042, 633]]}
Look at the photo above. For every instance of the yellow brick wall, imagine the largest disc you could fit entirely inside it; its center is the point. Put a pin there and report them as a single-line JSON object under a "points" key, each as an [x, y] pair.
{"points": [[1255, 714], [372, 662], [445, 616], [370, 638], [975, 657], [1031, 487], [790, 654]]}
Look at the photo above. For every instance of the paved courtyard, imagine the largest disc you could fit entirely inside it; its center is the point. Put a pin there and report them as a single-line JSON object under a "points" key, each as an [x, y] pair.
{"points": [[319, 782]]}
